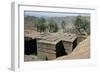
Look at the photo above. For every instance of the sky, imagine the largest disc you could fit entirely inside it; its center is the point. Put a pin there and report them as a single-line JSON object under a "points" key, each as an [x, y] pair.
{"points": [[52, 14]]}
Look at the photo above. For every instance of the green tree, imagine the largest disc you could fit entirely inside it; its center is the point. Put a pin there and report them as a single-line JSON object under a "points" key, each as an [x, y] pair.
{"points": [[52, 26], [56, 28], [41, 26], [63, 24], [86, 26], [82, 24], [78, 23]]}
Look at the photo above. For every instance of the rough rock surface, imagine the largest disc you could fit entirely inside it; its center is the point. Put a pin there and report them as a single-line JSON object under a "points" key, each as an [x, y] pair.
{"points": [[82, 51]]}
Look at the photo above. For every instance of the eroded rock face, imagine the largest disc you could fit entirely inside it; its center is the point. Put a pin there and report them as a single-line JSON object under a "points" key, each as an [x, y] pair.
{"points": [[82, 51]]}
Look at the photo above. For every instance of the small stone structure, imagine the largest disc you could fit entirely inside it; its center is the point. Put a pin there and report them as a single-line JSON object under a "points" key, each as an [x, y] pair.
{"points": [[49, 46], [30, 42], [55, 45]]}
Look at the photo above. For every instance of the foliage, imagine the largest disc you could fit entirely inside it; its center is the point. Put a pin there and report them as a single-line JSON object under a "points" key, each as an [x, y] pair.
{"points": [[41, 27], [52, 25], [63, 24], [41, 24], [82, 24]]}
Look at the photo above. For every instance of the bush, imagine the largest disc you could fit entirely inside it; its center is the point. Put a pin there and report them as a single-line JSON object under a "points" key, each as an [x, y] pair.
{"points": [[82, 24]]}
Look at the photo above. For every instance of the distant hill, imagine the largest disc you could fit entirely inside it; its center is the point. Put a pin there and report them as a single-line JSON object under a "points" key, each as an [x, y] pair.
{"points": [[30, 22]]}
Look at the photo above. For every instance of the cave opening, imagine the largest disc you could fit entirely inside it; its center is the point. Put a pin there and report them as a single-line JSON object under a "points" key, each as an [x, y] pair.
{"points": [[74, 44], [30, 46], [60, 50]]}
